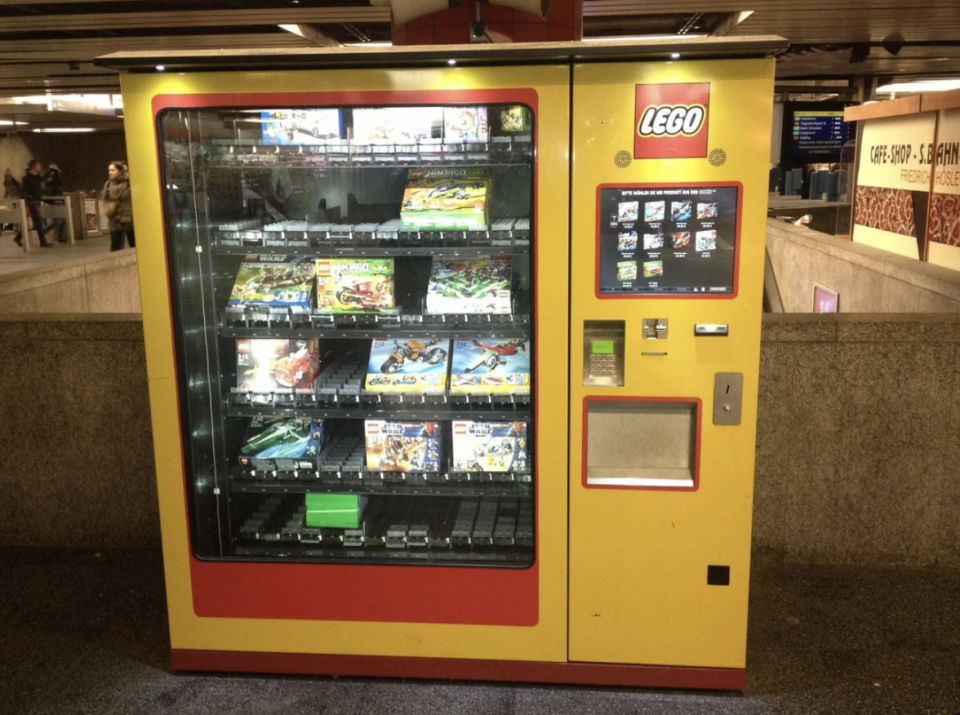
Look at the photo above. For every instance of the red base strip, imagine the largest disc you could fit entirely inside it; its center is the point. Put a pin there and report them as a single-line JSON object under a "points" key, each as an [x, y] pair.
{"points": [[648, 676]]}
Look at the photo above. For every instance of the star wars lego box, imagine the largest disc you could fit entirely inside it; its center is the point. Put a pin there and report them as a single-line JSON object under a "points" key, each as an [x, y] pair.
{"points": [[489, 446], [480, 285], [282, 443], [355, 285], [416, 365], [269, 365], [395, 446], [490, 366], [445, 199], [287, 284]]}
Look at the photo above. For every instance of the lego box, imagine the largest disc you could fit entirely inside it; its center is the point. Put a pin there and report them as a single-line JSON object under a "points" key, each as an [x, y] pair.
{"points": [[417, 365], [355, 285], [282, 443], [479, 285], [394, 446], [489, 446], [275, 285], [335, 511], [488, 366], [270, 365], [445, 199]]}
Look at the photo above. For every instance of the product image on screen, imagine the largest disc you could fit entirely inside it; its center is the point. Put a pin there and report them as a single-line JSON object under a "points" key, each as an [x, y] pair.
{"points": [[628, 211], [301, 126], [488, 366], [652, 241], [394, 446], [627, 241], [489, 446], [681, 210], [689, 246]]}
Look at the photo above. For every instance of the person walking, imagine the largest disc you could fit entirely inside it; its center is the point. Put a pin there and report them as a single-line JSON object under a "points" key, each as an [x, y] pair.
{"points": [[11, 190], [32, 193], [116, 193], [53, 186]]}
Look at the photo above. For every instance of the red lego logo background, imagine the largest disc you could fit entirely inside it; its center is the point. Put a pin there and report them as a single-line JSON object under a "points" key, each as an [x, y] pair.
{"points": [[679, 146]]}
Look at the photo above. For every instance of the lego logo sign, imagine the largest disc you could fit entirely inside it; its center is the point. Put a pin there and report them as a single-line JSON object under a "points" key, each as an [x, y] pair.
{"points": [[671, 121]]}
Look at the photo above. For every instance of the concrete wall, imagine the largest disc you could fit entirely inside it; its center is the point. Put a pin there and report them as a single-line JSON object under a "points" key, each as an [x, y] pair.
{"points": [[868, 280], [857, 459], [107, 283]]}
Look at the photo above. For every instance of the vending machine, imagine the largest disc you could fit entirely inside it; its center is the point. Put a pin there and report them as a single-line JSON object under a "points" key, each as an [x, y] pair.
{"points": [[453, 359]]}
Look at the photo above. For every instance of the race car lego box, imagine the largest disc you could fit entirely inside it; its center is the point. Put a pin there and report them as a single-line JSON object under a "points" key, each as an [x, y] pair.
{"points": [[489, 446], [282, 443], [355, 285], [490, 366], [397, 446], [266, 365], [480, 285], [287, 284], [414, 365], [445, 199]]}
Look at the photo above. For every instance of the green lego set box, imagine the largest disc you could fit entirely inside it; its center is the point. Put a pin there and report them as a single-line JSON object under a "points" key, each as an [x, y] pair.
{"points": [[282, 443], [480, 285], [335, 511], [445, 199]]}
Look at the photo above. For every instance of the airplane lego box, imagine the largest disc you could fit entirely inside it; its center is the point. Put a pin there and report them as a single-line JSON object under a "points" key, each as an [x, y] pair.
{"points": [[490, 366], [396, 446], [282, 443]]}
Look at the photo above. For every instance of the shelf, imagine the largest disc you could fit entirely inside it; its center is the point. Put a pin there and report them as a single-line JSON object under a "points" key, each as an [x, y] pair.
{"points": [[505, 409], [485, 530], [504, 236], [370, 486], [263, 322]]}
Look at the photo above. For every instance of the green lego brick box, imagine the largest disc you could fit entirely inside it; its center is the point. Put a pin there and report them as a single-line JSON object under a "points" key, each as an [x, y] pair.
{"points": [[335, 511]]}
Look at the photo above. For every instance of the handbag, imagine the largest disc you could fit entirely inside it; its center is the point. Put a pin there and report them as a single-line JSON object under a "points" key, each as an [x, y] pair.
{"points": [[110, 209]]}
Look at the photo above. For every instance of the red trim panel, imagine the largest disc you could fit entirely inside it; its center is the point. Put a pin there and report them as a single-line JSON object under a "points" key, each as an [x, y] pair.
{"points": [[671, 296], [696, 447], [335, 592], [644, 676]]}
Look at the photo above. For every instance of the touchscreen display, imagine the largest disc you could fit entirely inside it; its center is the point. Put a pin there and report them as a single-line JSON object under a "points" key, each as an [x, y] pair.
{"points": [[669, 240]]}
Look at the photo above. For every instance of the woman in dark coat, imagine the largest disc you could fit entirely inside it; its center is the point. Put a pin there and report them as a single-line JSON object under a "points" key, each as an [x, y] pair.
{"points": [[116, 192]]}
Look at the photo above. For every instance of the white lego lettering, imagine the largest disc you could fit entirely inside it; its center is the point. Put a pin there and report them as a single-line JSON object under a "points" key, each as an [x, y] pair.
{"points": [[671, 120]]}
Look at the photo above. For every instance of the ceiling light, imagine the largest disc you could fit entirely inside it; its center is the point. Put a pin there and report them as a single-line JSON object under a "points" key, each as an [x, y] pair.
{"points": [[368, 44], [295, 29], [921, 85], [640, 38], [64, 130], [674, 55], [451, 62], [10, 123], [160, 68]]}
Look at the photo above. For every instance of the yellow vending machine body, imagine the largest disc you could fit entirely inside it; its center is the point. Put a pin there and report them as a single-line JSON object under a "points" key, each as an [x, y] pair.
{"points": [[669, 194]]}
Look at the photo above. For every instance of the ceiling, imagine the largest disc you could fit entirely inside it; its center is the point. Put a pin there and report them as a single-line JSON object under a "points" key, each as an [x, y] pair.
{"points": [[49, 45]]}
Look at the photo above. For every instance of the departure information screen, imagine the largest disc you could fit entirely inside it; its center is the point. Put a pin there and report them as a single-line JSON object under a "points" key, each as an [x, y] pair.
{"points": [[667, 240], [818, 133]]}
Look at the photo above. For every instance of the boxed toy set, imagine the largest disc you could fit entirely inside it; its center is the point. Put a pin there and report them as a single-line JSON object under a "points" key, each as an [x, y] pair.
{"points": [[490, 366], [286, 284], [282, 443], [397, 446], [266, 365], [355, 285], [479, 285], [416, 365], [335, 511], [489, 446], [445, 199], [465, 124]]}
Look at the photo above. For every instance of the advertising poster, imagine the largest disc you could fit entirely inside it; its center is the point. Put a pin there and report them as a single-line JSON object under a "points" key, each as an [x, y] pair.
{"points": [[943, 228], [893, 184]]}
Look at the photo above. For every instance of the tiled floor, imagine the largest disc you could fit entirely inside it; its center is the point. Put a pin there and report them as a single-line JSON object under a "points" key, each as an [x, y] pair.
{"points": [[86, 633], [13, 259]]}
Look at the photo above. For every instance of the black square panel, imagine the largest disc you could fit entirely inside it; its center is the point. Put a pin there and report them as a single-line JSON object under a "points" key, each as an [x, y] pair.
{"points": [[718, 575]]}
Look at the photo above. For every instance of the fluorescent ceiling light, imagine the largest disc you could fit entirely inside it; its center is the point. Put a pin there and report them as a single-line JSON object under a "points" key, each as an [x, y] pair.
{"points": [[64, 130], [10, 123], [635, 38], [102, 101], [920, 85], [295, 29], [368, 44]]}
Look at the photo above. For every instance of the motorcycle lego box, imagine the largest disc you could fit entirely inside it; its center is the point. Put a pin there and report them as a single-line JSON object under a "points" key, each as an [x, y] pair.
{"points": [[352, 285], [408, 365], [282, 443], [489, 446], [287, 284], [269, 365], [445, 199], [490, 366], [396, 446], [470, 286]]}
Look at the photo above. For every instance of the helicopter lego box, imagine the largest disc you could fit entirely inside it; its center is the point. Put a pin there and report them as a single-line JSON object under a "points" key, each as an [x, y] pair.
{"points": [[488, 366], [489, 446], [445, 199], [480, 285], [355, 285], [396, 446], [287, 284], [408, 365], [282, 443], [267, 365]]}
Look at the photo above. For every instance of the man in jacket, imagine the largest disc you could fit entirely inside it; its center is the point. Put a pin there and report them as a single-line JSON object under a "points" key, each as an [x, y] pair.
{"points": [[32, 192], [53, 186]]}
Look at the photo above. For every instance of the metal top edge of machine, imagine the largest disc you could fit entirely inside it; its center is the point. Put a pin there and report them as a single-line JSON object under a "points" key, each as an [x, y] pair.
{"points": [[430, 55]]}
